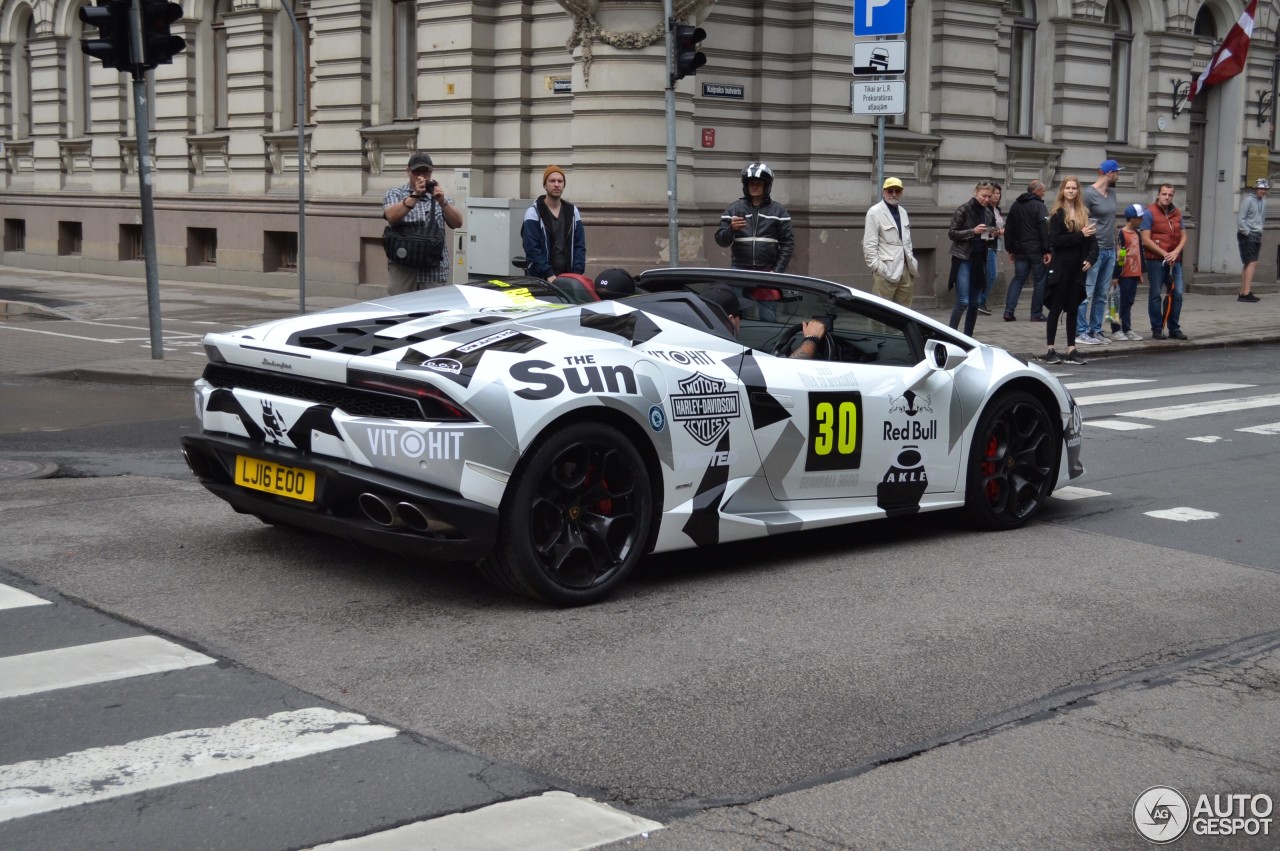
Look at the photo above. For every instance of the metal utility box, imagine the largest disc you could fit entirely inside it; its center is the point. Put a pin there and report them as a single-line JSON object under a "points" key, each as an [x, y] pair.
{"points": [[493, 235]]}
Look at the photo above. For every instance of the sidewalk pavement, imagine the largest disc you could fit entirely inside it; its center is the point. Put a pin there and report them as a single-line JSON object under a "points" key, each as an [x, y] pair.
{"points": [[188, 309]]}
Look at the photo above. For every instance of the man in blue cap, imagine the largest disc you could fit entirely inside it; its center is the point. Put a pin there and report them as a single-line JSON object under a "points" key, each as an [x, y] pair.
{"points": [[1100, 199]]}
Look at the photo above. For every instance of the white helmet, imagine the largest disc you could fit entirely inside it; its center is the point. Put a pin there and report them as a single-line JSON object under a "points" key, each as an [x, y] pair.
{"points": [[758, 171]]}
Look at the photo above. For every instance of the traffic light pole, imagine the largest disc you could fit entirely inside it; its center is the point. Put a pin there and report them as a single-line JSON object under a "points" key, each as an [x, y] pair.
{"points": [[673, 226], [141, 125]]}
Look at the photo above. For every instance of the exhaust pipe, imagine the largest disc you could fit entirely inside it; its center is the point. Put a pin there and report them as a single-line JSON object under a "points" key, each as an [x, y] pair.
{"points": [[378, 509], [421, 520]]}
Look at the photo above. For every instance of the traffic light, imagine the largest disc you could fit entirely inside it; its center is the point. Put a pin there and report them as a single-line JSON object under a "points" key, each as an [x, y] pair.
{"points": [[158, 44], [111, 47], [688, 58]]}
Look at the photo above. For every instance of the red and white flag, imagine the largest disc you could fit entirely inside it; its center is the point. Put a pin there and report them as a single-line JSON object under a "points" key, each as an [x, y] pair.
{"points": [[1229, 60]]}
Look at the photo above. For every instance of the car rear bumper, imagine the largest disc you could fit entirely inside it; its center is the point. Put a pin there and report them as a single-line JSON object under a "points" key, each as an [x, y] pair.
{"points": [[451, 529]]}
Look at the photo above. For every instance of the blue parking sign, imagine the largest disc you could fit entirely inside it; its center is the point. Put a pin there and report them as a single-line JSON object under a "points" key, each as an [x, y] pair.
{"points": [[879, 17]]}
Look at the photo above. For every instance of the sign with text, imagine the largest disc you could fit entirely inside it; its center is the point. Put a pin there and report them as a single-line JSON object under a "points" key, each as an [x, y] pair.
{"points": [[723, 90], [879, 58], [885, 97], [879, 17]]}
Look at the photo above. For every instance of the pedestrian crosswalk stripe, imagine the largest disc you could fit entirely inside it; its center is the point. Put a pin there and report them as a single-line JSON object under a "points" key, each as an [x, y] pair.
{"points": [[1269, 428], [83, 777], [1107, 382], [1158, 392], [100, 662], [1117, 425], [13, 598], [1073, 492], [553, 821], [1178, 412]]}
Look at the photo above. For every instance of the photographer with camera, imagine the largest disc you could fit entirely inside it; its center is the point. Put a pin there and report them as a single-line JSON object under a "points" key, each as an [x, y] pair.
{"points": [[417, 213]]}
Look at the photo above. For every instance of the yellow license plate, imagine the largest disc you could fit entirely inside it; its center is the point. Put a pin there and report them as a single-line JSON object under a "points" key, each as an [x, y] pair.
{"points": [[274, 478]]}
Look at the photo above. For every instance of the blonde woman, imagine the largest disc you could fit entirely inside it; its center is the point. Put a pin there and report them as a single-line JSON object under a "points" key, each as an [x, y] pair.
{"points": [[1071, 237]]}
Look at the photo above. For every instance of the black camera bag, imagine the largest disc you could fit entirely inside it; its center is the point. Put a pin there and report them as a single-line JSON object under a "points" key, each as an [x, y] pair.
{"points": [[418, 245]]}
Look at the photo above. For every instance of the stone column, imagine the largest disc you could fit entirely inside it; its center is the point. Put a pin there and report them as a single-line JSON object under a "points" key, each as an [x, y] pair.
{"points": [[341, 50], [48, 106], [249, 62]]}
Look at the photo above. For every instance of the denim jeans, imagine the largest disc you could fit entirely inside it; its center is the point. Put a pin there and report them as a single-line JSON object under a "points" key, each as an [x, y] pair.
{"points": [[1097, 282], [992, 256], [1024, 265], [1158, 274], [969, 289]]}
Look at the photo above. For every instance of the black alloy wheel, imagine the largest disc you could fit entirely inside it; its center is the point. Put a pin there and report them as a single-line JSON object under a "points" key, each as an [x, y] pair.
{"points": [[576, 517], [1013, 462]]}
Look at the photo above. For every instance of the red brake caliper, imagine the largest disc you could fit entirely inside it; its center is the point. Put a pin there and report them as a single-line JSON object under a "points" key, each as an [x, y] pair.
{"points": [[989, 469]]}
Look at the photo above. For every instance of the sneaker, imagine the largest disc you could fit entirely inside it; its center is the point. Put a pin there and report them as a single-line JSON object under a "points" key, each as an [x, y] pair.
{"points": [[1074, 357], [1177, 335], [1039, 319], [983, 311], [1158, 335], [1102, 338], [1249, 297], [1009, 317], [1132, 335], [1088, 340], [1052, 357]]}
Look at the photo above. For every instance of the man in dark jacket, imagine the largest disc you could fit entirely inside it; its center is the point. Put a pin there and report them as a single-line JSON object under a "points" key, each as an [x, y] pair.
{"points": [[554, 240], [1026, 236], [758, 228]]}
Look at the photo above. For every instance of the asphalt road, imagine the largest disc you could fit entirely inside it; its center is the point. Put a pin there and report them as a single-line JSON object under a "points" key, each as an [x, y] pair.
{"points": [[823, 690]]}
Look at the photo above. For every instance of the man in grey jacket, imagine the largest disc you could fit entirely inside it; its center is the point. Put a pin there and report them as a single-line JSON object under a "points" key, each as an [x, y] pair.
{"points": [[886, 246], [1253, 215]]}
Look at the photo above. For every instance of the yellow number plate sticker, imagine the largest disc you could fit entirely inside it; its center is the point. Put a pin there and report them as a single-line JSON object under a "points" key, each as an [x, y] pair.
{"points": [[273, 478]]}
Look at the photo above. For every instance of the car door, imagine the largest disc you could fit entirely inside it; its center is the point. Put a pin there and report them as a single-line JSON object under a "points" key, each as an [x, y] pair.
{"points": [[863, 424]]}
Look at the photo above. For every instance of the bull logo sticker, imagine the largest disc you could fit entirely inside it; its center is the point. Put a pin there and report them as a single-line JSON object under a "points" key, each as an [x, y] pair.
{"points": [[704, 407], [273, 423], [910, 404]]}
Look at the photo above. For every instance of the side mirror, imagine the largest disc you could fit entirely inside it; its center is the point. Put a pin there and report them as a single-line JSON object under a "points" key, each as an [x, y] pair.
{"points": [[939, 356]]}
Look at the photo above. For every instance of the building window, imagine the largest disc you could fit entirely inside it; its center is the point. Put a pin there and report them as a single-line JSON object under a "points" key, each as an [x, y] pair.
{"points": [[280, 252], [221, 105], [15, 234], [1117, 15], [1022, 59], [130, 242], [287, 69], [1205, 26], [70, 238], [404, 57], [202, 246], [21, 127], [80, 89]]}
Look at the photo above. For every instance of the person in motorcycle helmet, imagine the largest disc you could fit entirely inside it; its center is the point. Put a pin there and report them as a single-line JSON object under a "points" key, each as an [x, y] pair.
{"points": [[755, 228]]}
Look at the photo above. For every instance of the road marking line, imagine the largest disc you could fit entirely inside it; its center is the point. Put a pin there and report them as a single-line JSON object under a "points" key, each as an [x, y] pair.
{"points": [[1117, 425], [1269, 428], [1208, 438], [1158, 392], [1073, 492], [83, 777], [56, 334], [1182, 515], [46, 670], [553, 821], [13, 598], [1106, 382], [1200, 409]]}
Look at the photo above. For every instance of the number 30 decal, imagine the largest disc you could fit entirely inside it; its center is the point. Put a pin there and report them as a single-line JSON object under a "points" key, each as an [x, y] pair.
{"points": [[835, 432]]}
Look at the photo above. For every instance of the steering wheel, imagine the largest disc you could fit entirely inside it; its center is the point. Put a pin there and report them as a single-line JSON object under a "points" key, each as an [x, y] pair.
{"points": [[793, 338]]}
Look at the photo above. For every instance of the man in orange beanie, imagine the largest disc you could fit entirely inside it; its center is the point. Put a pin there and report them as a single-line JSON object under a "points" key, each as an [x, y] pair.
{"points": [[554, 240]]}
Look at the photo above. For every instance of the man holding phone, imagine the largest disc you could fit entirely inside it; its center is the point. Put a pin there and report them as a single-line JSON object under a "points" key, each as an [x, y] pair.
{"points": [[1100, 200], [1163, 239]]}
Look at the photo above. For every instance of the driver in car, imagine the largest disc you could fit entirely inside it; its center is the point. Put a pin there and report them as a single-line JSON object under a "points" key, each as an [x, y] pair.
{"points": [[725, 298]]}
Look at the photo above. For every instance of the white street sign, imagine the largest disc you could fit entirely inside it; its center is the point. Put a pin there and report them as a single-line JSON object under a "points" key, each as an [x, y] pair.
{"points": [[879, 58], [885, 97]]}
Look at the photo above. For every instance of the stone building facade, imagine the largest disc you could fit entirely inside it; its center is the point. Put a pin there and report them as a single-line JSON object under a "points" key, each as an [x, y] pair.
{"points": [[1010, 89]]}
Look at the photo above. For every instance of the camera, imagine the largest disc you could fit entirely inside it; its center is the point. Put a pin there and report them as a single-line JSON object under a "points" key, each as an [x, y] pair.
{"points": [[431, 187]]}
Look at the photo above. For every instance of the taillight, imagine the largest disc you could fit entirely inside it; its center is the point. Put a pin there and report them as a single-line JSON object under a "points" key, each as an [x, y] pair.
{"points": [[435, 404]]}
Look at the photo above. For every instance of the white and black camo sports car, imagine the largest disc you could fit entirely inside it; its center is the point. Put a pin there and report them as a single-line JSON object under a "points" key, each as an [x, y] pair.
{"points": [[556, 439]]}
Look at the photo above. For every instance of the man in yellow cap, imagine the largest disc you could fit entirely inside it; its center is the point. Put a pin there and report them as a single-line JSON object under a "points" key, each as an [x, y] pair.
{"points": [[554, 240], [886, 246]]}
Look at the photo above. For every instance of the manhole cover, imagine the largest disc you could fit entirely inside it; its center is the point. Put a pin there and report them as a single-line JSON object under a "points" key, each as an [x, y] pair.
{"points": [[26, 469]]}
